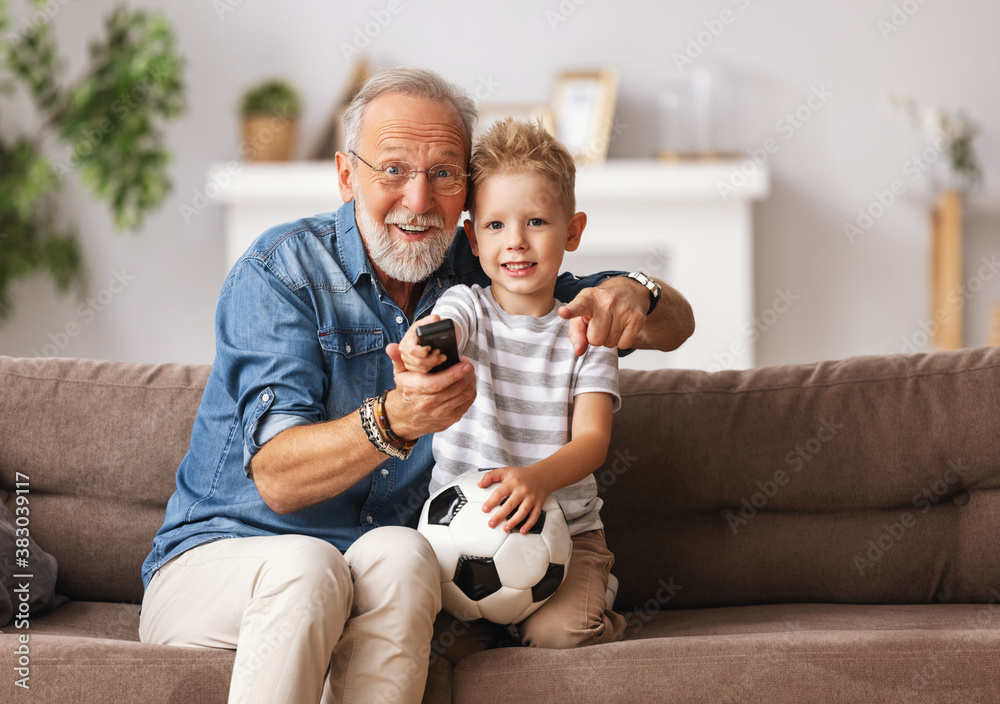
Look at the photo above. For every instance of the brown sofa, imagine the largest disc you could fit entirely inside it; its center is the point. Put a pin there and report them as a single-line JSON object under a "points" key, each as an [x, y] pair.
{"points": [[814, 533]]}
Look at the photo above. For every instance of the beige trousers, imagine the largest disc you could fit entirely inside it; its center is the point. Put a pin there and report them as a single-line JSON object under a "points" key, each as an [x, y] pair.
{"points": [[578, 613], [293, 607]]}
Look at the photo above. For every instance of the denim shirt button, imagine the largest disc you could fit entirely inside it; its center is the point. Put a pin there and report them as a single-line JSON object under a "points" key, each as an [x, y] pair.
{"points": [[385, 472], [368, 518], [265, 398], [347, 349], [399, 319]]}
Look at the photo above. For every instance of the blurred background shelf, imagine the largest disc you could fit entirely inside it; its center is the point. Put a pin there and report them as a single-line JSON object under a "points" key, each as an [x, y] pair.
{"points": [[667, 219]]}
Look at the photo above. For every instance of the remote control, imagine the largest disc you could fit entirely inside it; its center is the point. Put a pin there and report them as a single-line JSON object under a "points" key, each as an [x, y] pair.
{"points": [[440, 336]]}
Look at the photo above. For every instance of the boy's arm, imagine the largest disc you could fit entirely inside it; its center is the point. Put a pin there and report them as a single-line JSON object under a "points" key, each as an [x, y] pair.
{"points": [[528, 487], [457, 305]]}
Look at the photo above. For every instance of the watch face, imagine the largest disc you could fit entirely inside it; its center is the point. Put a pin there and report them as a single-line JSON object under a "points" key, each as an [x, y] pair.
{"points": [[645, 281], [651, 286]]}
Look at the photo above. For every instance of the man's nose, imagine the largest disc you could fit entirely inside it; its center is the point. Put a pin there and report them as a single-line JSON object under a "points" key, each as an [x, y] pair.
{"points": [[417, 193]]}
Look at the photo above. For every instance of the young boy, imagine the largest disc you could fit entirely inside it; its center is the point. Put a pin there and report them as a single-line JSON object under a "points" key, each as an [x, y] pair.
{"points": [[542, 415]]}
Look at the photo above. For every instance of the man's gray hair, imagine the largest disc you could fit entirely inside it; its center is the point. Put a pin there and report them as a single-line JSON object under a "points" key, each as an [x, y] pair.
{"points": [[415, 82]]}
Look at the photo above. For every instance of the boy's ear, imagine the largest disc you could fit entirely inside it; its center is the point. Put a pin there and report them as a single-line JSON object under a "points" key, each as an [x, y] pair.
{"points": [[470, 232], [344, 172], [575, 231]]}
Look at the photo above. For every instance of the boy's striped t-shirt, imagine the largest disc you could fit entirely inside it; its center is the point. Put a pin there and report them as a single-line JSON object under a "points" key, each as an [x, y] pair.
{"points": [[527, 375]]}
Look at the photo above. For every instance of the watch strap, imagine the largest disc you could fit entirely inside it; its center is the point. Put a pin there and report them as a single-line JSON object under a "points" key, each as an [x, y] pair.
{"points": [[654, 288]]}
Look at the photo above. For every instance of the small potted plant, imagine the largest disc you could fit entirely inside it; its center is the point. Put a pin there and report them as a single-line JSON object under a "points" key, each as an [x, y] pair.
{"points": [[270, 113], [952, 135]]}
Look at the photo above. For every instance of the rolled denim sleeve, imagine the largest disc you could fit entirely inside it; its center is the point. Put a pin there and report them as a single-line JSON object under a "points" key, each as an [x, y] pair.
{"points": [[568, 285], [271, 360]]}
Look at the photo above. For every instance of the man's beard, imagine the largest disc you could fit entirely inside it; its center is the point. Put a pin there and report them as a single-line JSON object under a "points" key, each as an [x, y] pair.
{"points": [[410, 262]]}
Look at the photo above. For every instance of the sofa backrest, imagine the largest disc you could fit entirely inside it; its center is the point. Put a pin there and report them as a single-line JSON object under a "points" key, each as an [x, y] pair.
{"points": [[100, 443], [868, 480]]}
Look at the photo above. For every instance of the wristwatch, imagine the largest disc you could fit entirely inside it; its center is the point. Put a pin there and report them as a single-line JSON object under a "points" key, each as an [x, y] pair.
{"points": [[654, 288]]}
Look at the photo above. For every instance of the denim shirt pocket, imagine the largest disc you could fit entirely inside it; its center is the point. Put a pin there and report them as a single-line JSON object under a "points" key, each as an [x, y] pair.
{"points": [[352, 356]]}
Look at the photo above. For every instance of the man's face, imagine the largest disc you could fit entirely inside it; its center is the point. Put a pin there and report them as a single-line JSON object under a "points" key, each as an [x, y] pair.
{"points": [[407, 230]]}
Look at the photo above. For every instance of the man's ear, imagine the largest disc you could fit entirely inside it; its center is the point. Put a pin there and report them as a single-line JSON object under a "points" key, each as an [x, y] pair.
{"points": [[344, 172], [470, 232], [575, 231]]}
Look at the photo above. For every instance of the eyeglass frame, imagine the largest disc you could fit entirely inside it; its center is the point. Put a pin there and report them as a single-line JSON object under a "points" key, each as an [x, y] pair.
{"points": [[414, 172]]}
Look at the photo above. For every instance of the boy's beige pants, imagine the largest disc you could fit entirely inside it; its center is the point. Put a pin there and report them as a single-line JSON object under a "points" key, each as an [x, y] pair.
{"points": [[282, 603]]}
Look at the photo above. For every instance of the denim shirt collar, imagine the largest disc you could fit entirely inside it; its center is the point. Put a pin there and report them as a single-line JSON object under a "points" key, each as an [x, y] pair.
{"points": [[350, 247]]}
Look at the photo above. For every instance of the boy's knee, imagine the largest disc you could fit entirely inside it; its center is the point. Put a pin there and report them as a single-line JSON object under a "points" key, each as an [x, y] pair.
{"points": [[551, 628]]}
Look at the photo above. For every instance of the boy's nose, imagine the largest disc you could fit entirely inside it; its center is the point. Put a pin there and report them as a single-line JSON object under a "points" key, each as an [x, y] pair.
{"points": [[515, 238]]}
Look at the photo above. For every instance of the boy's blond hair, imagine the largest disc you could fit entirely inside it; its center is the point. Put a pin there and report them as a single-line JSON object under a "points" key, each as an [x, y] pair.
{"points": [[512, 146]]}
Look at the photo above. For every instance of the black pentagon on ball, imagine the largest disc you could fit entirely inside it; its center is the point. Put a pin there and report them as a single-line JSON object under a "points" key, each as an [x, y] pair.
{"points": [[477, 577], [548, 584], [536, 529], [445, 505]]}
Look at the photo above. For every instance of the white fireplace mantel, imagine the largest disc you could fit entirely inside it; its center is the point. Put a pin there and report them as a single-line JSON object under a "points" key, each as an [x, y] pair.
{"points": [[666, 219]]}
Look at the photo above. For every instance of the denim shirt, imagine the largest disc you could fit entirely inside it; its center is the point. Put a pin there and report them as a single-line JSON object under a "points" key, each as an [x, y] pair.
{"points": [[301, 329]]}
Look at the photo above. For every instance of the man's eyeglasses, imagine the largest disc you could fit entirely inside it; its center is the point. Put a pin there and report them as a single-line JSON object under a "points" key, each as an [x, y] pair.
{"points": [[444, 179]]}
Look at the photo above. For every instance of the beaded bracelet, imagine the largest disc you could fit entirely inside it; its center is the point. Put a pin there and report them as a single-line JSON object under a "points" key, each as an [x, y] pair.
{"points": [[399, 449], [383, 419]]}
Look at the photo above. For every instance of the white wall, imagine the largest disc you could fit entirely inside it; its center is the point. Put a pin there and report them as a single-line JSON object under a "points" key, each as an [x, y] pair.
{"points": [[854, 298]]}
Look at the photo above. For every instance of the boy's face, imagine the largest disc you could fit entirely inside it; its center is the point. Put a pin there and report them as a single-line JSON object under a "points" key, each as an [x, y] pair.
{"points": [[520, 233]]}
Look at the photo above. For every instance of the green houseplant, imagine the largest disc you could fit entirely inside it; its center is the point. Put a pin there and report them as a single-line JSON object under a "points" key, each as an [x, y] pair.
{"points": [[104, 125], [270, 112], [951, 134]]}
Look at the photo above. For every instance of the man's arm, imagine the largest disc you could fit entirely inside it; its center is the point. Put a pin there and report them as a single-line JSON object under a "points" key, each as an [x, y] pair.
{"points": [[613, 314], [274, 369], [304, 465]]}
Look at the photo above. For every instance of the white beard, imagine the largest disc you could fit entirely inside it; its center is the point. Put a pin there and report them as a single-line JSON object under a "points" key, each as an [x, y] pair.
{"points": [[410, 262]]}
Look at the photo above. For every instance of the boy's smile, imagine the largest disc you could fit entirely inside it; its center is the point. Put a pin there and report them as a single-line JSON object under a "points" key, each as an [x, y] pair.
{"points": [[520, 233]]}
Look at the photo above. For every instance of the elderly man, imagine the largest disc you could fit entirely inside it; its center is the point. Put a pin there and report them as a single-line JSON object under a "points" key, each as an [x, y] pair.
{"points": [[287, 536]]}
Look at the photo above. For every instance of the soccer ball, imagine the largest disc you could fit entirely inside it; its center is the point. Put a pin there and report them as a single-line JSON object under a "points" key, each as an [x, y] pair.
{"points": [[487, 572]]}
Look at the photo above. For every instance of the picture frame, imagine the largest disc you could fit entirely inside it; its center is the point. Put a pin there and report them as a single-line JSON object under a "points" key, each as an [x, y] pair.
{"points": [[490, 113], [583, 106]]}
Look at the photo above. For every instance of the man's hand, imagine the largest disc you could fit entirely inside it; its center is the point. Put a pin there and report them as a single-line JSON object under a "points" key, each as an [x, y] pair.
{"points": [[609, 315], [613, 314], [524, 490], [428, 403]]}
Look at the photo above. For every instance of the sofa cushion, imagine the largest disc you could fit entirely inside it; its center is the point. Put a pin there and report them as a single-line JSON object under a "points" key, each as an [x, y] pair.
{"points": [[833, 667], [97, 630], [99, 671], [868, 480], [90, 619], [100, 442], [783, 619]]}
